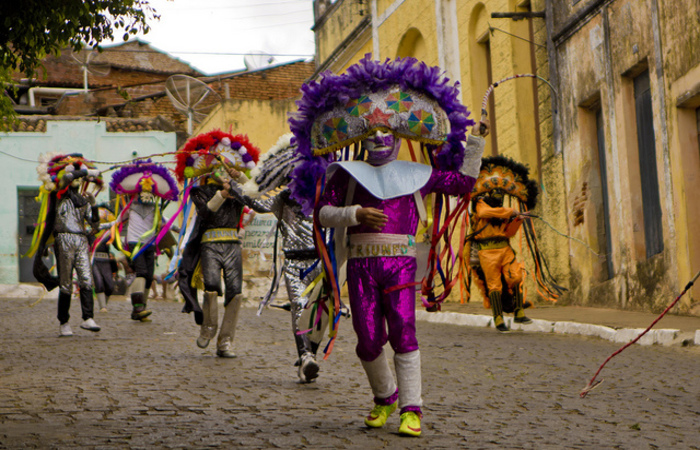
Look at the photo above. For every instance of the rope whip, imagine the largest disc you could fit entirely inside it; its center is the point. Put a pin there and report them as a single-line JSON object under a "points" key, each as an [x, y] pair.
{"points": [[593, 384], [490, 89]]}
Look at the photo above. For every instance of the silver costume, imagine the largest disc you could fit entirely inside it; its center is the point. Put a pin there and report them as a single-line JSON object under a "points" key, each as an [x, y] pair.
{"points": [[73, 252], [298, 269]]}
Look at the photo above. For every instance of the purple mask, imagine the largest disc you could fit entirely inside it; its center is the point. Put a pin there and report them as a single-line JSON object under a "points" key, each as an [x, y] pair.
{"points": [[381, 148]]}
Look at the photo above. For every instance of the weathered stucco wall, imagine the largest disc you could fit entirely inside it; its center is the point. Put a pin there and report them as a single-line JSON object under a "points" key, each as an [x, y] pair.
{"points": [[598, 57]]}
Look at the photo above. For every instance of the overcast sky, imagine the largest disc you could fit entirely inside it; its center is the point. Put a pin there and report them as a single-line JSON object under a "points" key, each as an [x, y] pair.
{"points": [[213, 35]]}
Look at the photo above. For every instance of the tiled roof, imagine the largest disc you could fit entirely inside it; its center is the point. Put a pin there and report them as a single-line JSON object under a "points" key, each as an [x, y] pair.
{"points": [[140, 55], [37, 124], [66, 69], [270, 83]]}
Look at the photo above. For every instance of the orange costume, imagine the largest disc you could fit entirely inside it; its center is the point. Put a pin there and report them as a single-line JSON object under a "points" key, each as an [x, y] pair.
{"points": [[499, 273], [496, 256]]}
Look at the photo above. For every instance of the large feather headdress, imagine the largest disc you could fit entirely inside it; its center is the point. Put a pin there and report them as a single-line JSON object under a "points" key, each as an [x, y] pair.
{"points": [[145, 176], [54, 166], [275, 167], [510, 177], [403, 96], [202, 154]]}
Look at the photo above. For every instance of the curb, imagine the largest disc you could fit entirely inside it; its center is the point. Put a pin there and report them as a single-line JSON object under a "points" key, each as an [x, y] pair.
{"points": [[26, 291], [664, 336], [667, 337]]}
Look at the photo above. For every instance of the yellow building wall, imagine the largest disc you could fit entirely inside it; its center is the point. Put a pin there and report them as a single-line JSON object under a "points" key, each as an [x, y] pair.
{"points": [[335, 25], [264, 121]]}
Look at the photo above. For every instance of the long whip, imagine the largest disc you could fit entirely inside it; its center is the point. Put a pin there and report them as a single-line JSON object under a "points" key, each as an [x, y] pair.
{"points": [[593, 383]]}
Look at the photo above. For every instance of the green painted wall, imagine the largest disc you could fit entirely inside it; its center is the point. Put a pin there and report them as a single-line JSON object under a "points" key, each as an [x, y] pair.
{"points": [[19, 153]]}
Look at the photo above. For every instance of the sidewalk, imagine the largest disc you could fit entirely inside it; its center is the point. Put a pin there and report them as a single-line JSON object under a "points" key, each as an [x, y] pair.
{"points": [[610, 324]]}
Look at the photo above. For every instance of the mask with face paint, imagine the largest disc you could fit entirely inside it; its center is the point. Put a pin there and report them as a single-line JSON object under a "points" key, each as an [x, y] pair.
{"points": [[381, 148]]}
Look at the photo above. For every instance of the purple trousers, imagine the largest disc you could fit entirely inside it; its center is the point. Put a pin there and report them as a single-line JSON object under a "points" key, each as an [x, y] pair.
{"points": [[373, 310]]}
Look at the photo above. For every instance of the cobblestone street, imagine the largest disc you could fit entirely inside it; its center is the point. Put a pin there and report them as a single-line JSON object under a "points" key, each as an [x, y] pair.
{"points": [[147, 385]]}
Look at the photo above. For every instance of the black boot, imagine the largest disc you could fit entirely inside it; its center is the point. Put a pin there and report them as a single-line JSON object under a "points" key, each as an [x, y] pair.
{"points": [[520, 316], [303, 346], [138, 301], [314, 347], [87, 303], [497, 308]]}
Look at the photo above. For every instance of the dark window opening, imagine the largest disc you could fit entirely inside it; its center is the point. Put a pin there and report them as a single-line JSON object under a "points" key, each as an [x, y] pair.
{"points": [[603, 226], [646, 143]]}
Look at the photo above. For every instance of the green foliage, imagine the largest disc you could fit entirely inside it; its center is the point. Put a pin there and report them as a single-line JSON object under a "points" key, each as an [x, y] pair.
{"points": [[32, 29], [7, 114]]}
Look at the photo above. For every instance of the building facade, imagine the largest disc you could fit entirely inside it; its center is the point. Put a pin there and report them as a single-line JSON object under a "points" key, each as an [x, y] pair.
{"points": [[629, 81]]}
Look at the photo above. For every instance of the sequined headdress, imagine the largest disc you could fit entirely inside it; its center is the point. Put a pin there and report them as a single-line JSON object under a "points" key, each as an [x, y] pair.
{"points": [[502, 173], [404, 97]]}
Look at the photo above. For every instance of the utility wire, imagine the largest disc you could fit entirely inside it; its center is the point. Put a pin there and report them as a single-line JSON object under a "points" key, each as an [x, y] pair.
{"points": [[238, 6], [21, 159], [515, 36], [281, 13], [208, 53]]}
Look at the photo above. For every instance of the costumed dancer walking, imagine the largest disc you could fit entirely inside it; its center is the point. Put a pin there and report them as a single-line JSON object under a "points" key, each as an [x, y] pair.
{"points": [[145, 187], [379, 202], [499, 274], [214, 245], [301, 268], [70, 184], [104, 265]]}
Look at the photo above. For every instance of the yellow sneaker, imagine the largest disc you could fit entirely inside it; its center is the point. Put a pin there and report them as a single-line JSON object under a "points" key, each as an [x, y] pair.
{"points": [[410, 424], [379, 414]]}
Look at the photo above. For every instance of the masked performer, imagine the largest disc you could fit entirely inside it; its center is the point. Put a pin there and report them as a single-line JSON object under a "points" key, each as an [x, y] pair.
{"points": [[301, 266], [68, 210], [499, 273], [104, 265], [214, 245], [379, 202], [148, 186]]}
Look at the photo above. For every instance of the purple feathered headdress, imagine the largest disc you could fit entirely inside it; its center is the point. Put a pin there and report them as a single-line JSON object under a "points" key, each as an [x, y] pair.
{"points": [[145, 176], [403, 96]]}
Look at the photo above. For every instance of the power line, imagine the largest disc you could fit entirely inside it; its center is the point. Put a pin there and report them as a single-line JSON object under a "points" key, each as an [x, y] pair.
{"points": [[240, 6], [274, 25], [210, 53], [284, 13], [17, 157]]}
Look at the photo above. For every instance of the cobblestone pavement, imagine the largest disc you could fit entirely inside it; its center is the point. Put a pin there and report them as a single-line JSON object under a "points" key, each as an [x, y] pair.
{"points": [[147, 385]]}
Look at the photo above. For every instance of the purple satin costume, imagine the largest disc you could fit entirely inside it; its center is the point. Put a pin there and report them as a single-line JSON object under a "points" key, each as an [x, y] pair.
{"points": [[368, 277]]}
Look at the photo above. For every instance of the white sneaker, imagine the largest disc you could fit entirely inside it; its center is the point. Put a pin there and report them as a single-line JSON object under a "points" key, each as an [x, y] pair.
{"points": [[65, 330], [308, 369], [90, 325]]}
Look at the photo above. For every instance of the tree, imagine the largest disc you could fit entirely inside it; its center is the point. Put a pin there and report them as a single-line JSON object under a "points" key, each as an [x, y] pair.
{"points": [[32, 29]]}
